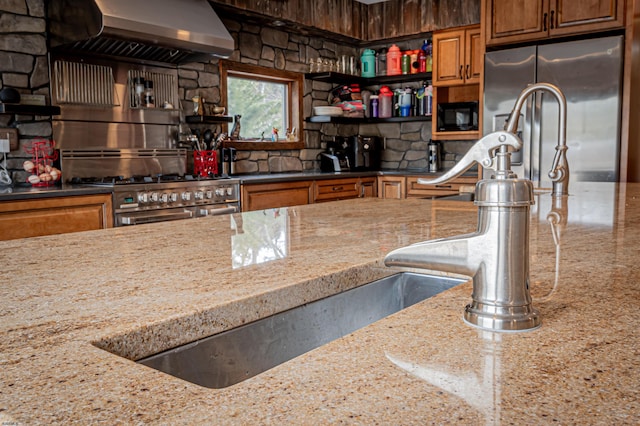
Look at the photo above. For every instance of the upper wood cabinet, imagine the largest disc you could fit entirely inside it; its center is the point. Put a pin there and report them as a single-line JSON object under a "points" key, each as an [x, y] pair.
{"points": [[512, 21], [457, 56]]}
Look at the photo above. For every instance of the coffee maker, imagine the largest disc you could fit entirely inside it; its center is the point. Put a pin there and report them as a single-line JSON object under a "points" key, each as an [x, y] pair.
{"points": [[364, 152], [335, 158]]}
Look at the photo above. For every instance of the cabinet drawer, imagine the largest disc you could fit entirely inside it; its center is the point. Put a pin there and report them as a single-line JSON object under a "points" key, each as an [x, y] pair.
{"points": [[335, 189], [273, 195], [418, 190]]}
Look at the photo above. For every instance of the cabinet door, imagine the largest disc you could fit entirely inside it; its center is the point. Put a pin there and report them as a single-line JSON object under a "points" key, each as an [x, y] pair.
{"points": [[55, 215], [273, 195], [473, 56], [391, 187], [516, 20], [368, 187], [448, 58], [574, 16], [335, 189]]}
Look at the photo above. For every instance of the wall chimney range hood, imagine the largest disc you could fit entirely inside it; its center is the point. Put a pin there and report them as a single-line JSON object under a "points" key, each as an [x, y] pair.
{"points": [[169, 31]]}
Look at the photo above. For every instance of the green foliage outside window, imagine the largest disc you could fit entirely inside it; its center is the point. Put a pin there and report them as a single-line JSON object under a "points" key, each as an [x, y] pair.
{"points": [[262, 105]]}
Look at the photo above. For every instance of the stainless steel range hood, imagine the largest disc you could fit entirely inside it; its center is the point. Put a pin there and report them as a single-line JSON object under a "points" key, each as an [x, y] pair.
{"points": [[170, 31]]}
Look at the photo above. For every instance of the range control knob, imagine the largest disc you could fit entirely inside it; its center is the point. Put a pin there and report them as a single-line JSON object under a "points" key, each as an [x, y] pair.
{"points": [[199, 195], [143, 197], [173, 197], [229, 191], [209, 194], [219, 192], [186, 196], [153, 197], [164, 198]]}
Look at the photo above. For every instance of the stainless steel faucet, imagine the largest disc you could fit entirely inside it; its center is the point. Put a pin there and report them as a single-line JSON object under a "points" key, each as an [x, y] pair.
{"points": [[496, 256]]}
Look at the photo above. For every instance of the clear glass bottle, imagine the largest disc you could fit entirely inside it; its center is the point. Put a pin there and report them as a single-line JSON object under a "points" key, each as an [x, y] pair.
{"points": [[149, 95], [138, 92]]}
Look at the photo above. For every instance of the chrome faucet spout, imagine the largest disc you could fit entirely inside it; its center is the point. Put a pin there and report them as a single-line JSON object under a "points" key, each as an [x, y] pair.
{"points": [[496, 256], [559, 173]]}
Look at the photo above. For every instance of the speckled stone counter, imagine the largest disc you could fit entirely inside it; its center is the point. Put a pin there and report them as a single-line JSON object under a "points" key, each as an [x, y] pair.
{"points": [[136, 291]]}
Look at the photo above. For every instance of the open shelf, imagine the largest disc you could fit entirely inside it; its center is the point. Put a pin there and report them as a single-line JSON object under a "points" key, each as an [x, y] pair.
{"points": [[359, 120], [194, 119], [339, 78], [29, 109]]}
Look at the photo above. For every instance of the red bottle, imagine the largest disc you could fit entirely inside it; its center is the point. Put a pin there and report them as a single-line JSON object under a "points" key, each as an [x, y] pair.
{"points": [[393, 61]]}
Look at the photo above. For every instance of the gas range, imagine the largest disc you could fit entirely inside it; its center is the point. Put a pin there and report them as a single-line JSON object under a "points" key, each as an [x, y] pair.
{"points": [[148, 199]]}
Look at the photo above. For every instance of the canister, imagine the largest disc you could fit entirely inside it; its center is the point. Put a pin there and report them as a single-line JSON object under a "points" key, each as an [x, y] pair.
{"points": [[405, 63], [374, 106], [368, 63], [386, 102], [393, 61]]}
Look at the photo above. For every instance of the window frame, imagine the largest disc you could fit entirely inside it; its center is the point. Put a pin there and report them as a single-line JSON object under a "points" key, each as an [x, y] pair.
{"points": [[295, 82]]}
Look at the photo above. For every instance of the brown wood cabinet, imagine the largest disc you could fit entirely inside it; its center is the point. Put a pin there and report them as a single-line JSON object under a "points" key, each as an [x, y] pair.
{"points": [[55, 215], [258, 196], [457, 71], [457, 56], [513, 21], [368, 187], [393, 187], [419, 190], [343, 189]]}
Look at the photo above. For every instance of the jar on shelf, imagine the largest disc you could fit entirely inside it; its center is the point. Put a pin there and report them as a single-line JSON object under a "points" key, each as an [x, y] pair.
{"points": [[138, 92], [149, 95], [393, 61], [385, 102]]}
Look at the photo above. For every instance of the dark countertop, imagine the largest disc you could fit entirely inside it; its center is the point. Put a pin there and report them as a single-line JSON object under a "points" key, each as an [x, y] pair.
{"points": [[13, 193], [23, 192]]}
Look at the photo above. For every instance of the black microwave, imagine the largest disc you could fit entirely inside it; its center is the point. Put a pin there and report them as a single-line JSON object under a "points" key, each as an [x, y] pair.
{"points": [[457, 116]]}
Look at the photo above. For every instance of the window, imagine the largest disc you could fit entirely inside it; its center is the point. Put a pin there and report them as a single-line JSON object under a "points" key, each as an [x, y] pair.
{"points": [[265, 98]]}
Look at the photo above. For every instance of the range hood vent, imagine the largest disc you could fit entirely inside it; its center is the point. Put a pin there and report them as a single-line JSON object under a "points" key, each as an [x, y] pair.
{"points": [[169, 31]]}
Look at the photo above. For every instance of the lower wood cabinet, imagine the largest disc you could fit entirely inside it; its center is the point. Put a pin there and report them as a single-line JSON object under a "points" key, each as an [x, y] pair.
{"points": [[55, 215], [343, 189], [369, 187], [392, 187], [419, 190], [259, 196]]}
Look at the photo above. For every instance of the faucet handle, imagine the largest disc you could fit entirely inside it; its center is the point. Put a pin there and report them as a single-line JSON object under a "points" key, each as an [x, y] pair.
{"points": [[482, 152]]}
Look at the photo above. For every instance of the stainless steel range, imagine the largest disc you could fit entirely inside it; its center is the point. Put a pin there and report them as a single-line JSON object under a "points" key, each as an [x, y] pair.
{"points": [[103, 131], [147, 199], [139, 203]]}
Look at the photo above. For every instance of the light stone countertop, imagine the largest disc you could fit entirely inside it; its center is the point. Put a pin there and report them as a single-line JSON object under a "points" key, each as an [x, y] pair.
{"points": [[139, 290]]}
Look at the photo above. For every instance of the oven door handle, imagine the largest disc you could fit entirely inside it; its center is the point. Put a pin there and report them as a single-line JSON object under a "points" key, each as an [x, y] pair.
{"points": [[156, 217], [218, 211]]}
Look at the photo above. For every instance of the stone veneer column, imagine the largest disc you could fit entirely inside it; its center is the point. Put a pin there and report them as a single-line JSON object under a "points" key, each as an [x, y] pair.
{"points": [[24, 66]]}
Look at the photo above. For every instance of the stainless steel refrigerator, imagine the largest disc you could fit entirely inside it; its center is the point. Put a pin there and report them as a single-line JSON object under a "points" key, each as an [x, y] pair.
{"points": [[589, 73]]}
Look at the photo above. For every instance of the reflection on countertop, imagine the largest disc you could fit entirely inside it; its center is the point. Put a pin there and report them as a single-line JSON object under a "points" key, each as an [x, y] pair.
{"points": [[260, 236]]}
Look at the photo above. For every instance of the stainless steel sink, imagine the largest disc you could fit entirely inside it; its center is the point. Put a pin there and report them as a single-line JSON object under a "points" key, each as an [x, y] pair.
{"points": [[230, 357]]}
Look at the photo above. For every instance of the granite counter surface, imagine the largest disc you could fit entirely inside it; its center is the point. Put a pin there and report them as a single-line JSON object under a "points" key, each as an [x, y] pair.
{"points": [[68, 300]]}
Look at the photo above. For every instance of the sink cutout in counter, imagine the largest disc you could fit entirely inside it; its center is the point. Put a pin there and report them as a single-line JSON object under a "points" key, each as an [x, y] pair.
{"points": [[230, 357]]}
